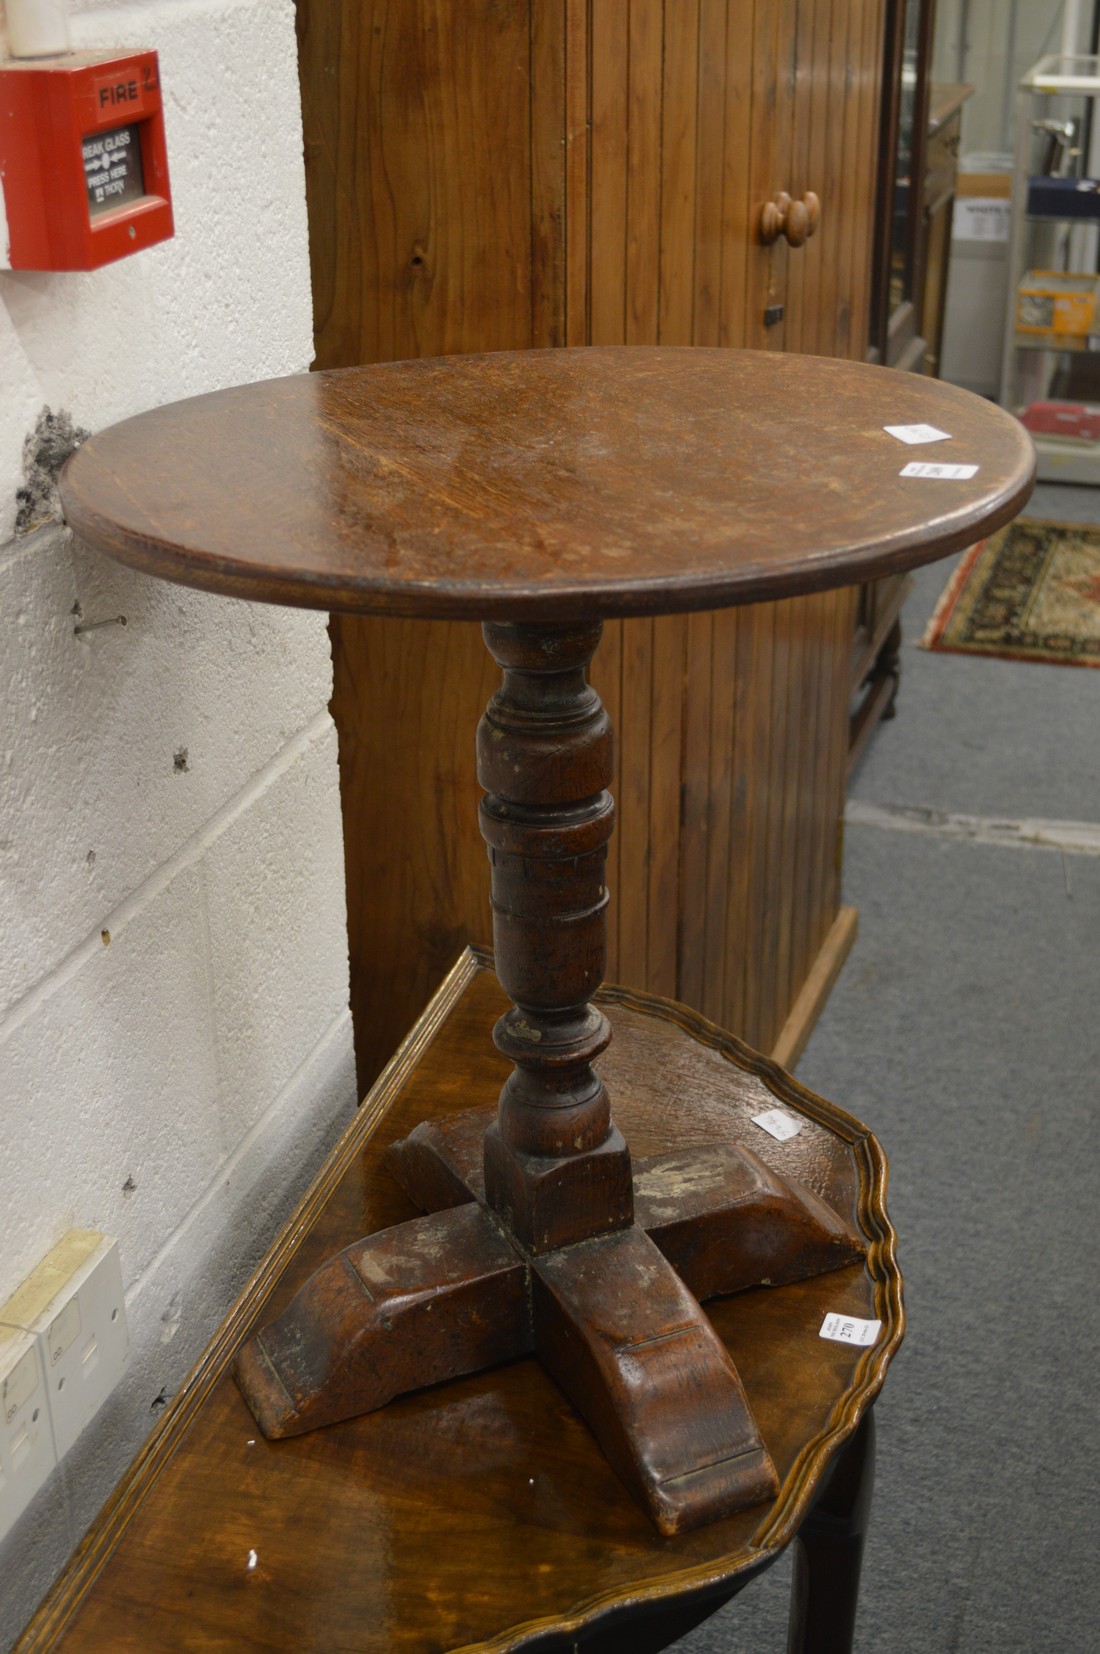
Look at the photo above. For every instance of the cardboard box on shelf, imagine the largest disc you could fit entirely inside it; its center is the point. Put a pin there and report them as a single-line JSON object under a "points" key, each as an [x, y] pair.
{"points": [[1058, 303]]}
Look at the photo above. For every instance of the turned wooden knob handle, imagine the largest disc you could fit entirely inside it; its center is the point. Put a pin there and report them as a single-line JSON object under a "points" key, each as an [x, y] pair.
{"points": [[797, 220], [801, 219], [796, 225]]}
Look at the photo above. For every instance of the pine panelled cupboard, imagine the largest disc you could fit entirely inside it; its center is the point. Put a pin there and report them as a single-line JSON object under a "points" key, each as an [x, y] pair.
{"points": [[501, 174]]}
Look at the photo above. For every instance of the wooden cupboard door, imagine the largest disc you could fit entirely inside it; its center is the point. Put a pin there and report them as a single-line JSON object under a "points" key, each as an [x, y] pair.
{"points": [[834, 154], [685, 117], [773, 28], [660, 206], [731, 726]]}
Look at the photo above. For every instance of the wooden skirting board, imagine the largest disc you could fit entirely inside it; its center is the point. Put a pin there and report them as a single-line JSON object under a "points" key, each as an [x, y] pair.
{"points": [[816, 989]]}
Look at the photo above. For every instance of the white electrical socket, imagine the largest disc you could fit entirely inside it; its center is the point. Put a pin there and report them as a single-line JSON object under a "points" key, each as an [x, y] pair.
{"points": [[74, 1306], [27, 1453]]}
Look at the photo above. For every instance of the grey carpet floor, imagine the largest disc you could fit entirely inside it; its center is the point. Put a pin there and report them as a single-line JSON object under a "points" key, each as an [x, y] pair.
{"points": [[965, 1029]]}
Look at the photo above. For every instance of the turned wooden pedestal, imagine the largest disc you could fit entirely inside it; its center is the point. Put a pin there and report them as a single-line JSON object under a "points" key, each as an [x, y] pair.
{"points": [[542, 492], [547, 1239]]}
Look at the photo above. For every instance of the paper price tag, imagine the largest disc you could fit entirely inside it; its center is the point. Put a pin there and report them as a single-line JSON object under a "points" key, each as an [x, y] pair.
{"points": [[849, 1329], [926, 468], [916, 434], [777, 1124]]}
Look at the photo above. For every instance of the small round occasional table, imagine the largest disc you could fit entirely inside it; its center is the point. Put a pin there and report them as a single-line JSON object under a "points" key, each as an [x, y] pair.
{"points": [[542, 492]]}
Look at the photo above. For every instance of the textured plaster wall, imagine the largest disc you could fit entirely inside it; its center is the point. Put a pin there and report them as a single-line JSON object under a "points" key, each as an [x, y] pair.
{"points": [[175, 1048]]}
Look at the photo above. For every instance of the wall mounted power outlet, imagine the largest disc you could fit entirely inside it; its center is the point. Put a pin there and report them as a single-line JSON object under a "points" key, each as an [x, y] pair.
{"points": [[73, 1304], [27, 1452]]}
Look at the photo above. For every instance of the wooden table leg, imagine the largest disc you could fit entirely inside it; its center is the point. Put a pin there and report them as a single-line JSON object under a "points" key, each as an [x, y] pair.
{"points": [[614, 1324], [556, 1168], [829, 1551]]}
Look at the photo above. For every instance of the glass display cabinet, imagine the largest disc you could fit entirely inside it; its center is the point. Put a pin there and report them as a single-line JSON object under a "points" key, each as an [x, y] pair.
{"points": [[1050, 372]]}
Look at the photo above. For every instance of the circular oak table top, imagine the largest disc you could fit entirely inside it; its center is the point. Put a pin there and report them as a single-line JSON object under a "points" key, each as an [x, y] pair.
{"points": [[549, 485]]}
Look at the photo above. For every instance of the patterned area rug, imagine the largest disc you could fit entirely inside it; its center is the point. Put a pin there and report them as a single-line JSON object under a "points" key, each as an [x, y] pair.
{"points": [[1030, 592]]}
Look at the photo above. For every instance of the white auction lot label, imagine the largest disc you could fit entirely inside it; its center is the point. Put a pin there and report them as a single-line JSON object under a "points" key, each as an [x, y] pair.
{"points": [[849, 1329], [777, 1124], [916, 434], [927, 468]]}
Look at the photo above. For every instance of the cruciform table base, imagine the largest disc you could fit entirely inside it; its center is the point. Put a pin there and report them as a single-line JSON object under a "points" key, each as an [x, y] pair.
{"points": [[615, 1319], [548, 1239]]}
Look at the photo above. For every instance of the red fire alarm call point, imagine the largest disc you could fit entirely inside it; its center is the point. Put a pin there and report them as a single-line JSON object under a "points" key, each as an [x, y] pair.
{"points": [[83, 163]]}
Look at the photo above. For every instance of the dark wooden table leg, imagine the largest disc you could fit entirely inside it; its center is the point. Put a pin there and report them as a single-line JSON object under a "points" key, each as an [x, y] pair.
{"points": [[556, 1168], [828, 1552], [613, 1322]]}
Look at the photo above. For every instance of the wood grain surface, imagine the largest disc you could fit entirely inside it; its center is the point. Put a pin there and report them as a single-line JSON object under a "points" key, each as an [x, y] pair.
{"points": [[479, 1515], [548, 484]]}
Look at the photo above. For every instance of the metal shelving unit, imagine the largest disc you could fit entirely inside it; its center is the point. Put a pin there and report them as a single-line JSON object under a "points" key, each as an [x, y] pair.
{"points": [[1056, 372]]}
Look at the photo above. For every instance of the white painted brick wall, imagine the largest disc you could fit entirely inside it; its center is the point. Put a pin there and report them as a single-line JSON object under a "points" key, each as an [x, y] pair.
{"points": [[243, 678], [178, 1085]]}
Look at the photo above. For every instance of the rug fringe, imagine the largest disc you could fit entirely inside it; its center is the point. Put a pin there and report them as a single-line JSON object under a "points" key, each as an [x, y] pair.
{"points": [[950, 595]]}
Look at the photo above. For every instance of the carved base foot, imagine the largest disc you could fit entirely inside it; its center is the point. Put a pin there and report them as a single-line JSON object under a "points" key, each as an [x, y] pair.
{"points": [[632, 1350], [725, 1221], [410, 1306]]}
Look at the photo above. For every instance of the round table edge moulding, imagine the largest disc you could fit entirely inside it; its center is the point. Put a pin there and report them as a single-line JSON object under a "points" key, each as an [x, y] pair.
{"points": [[944, 527]]}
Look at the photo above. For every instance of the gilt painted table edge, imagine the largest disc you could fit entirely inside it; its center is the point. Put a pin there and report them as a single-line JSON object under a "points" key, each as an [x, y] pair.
{"points": [[781, 1522]]}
